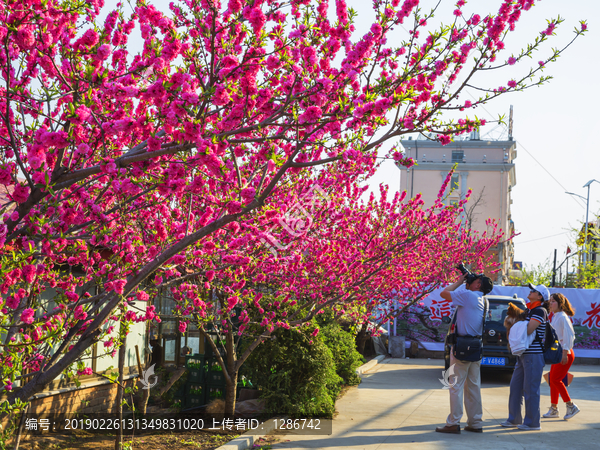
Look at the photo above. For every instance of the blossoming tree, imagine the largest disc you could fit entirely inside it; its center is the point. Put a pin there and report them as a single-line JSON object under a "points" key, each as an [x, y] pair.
{"points": [[122, 165], [354, 254]]}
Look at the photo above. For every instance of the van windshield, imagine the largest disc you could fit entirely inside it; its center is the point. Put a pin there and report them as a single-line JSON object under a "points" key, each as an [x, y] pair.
{"points": [[498, 311]]}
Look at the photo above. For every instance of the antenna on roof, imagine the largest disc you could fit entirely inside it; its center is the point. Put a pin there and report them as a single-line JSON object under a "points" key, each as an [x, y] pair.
{"points": [[510, 124]]}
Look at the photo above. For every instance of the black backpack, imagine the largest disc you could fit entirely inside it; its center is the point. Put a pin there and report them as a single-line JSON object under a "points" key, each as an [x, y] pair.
{"points": [[553, 351]]}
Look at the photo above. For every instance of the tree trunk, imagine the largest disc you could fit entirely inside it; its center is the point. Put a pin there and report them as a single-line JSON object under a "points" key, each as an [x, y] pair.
{"points": [[119, 437], [361, 338], [230, 393], [21, 424], [142, 403], [233, 375], [231, 364]]}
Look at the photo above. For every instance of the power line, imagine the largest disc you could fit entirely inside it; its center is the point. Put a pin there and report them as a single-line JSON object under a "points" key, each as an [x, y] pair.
{"points": [[539, 239], [551, 176], [532, 157]]}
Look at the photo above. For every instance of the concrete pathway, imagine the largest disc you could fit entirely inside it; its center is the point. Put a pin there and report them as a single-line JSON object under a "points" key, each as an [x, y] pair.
{"points": [[400, 402]]}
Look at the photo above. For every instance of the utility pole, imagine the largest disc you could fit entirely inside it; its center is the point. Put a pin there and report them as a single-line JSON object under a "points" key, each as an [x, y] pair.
{"points": [[587, 212], [554, 270]]}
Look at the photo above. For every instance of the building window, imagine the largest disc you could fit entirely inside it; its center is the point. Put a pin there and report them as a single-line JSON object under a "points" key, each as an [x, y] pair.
{"points": [[454, 182], [457, 156]]}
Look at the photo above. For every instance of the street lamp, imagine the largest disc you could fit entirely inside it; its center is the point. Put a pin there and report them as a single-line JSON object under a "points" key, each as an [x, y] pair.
{"points": [[587, 212]]}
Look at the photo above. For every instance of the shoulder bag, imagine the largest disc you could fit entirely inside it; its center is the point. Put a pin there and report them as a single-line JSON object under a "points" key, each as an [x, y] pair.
{"points": [[470, 348]]}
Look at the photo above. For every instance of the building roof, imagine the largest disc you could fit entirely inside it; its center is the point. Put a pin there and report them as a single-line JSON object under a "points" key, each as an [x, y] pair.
{"points": [[4, 192], [459, 144]]}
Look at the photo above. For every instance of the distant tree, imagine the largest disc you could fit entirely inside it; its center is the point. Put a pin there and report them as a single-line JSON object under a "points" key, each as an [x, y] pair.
{"points": [[472, 209], [540, 274]]}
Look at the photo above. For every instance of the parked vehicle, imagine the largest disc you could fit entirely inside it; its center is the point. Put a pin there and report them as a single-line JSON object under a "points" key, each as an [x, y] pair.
{"points": [[496, 354]]}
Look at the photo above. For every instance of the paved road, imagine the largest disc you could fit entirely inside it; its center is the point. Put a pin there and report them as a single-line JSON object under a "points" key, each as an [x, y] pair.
{"points": [[400, 402]]}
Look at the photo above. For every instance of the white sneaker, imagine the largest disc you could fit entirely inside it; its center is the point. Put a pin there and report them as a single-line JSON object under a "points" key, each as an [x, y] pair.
{"points": [[508, 424], [571, 411], [552, 412], [527, 428]]}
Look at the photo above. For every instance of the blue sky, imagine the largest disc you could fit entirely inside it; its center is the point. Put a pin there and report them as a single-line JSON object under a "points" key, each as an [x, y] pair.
{"points": [[556, 127]]}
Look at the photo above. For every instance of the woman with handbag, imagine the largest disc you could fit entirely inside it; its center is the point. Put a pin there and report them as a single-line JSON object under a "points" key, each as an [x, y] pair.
{"points": [[562, 311]]}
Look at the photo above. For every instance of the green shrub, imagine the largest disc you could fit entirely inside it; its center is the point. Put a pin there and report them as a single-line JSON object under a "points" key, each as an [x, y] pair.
{"points": [[296, 377], [343, 347]]}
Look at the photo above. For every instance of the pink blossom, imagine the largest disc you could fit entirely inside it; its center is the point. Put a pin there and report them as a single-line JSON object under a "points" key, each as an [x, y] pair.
{"points": [[512, 60], [12, 302], [79, 313], [234, 207], [444, 139], [86, 371], [28, 315], [28, 273], [273, 63], [232, 301], [256, 17], [221, 95], [36, 334], [120, 286], [25, 38], [58, 139], [21, 193], [103, 52], [408, 123], [182, 327], [248, 194], [312, 114], [235, 5], [153, 144], [89, 38], [5, 177]]}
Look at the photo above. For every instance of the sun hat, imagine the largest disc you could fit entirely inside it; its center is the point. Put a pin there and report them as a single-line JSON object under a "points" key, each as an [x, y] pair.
{"points": [[542, 290]]}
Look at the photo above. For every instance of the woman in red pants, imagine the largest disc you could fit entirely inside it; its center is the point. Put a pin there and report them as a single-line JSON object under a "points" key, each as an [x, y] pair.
{"points": [[561, 308]]}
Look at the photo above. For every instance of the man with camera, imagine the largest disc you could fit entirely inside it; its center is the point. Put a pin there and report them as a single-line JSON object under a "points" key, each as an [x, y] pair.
{"points": [[465, 354]]}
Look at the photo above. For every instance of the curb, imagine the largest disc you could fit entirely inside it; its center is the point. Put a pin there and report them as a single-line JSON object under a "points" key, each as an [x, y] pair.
{"points": [[247, 440], [368, 366]]}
